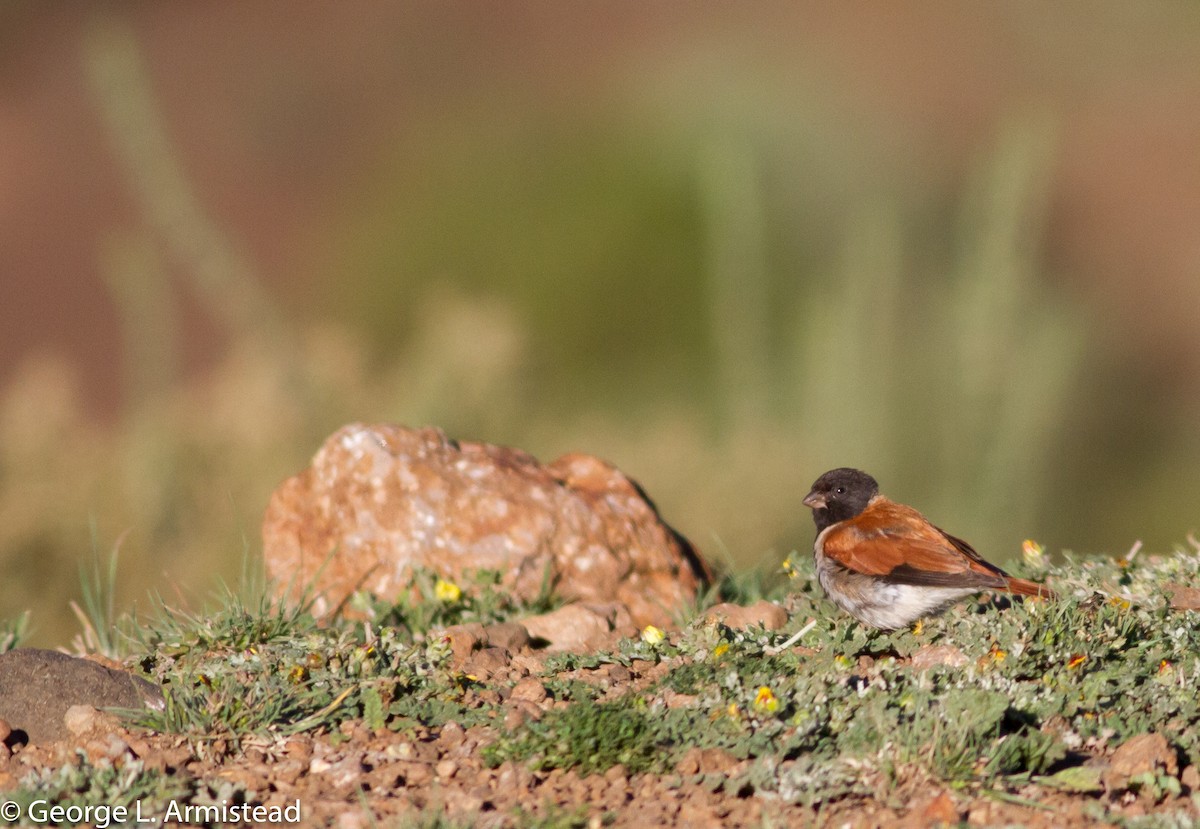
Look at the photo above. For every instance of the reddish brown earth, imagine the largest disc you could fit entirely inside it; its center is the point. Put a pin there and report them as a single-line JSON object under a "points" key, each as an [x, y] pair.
{"points": [[358, 777]]}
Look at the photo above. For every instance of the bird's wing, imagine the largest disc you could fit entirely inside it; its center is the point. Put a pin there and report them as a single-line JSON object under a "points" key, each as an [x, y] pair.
{"points": [[897, 544]]}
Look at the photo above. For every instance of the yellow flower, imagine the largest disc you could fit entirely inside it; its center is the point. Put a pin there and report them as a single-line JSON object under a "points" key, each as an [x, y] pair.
{"points": [[1164, 667], [1075, 661], [447, 591], [721, 649], [994, 656], [918, 627], [765, 700], [652, 635], [1117, 601], [1033, 553]]}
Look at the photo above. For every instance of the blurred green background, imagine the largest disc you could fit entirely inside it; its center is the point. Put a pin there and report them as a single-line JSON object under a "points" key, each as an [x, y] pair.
{"points": [[725, 247]]}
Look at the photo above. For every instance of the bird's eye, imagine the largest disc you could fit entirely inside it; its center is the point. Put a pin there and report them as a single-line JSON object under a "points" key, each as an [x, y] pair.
{"points": [[841, 490]]}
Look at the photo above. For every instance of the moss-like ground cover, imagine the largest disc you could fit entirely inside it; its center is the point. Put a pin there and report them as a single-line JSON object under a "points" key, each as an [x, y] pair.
{"points": [[1017, 701]]}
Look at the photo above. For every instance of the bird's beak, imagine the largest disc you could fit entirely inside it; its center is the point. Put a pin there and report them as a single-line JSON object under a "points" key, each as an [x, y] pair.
{"points": [[814, 500]]}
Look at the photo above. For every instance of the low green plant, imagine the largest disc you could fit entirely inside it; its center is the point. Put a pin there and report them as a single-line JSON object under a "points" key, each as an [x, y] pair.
{"points": [[1022, 688], [13, 631], [588, 736], [820, 709], [83, 783], [264, 668], [433, 602], [554, 817], [102, 630]]}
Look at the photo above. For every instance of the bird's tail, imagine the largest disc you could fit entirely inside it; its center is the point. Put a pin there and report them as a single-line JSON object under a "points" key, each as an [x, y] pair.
{"points": [[1021, 587]]}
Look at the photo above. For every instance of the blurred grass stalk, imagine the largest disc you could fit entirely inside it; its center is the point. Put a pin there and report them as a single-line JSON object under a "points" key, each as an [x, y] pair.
{"points": [[957, 384], [738, 280], [1017, 348], [121, 87], [100, 630]]}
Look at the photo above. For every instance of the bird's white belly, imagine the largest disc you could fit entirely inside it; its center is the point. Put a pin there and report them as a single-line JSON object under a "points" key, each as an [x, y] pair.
{"points": [[882, 604]]}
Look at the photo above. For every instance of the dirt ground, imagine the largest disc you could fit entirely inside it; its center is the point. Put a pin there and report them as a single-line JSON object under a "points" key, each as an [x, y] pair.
{"points": [[361, 778]]}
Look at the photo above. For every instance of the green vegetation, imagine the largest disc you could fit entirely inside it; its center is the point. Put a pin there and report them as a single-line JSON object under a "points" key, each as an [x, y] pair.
{"points": [[432, 602], [261, 668], [13, 632], [589, 737], [1037, 683], [84, 784], [989, 698]]}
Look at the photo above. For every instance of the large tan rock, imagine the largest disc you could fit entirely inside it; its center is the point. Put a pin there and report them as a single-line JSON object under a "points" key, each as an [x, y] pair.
{"points": [[380, 500]]}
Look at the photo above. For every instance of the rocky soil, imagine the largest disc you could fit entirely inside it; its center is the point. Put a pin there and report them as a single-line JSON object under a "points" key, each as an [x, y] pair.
{"points": [[358, 777]]}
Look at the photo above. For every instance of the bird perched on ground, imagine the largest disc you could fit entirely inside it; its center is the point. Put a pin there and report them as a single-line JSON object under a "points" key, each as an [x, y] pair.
{"points": [[885, 564]]}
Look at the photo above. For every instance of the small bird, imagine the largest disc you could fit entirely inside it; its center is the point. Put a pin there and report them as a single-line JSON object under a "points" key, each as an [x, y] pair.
{"points": [[885, 564]]}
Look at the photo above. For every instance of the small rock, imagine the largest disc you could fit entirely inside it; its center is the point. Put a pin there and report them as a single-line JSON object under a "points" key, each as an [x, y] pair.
{"points": [[689, 763], [485, 663], [574, 627], [38, 686], [1183, 597], [617, 775], [514, 718], [506, 777], [529, 689], [1139, 755], [109, 746], [508, 635], [521, 713], [343, 774], [673, 699], [930, 656], [298, 750], [616, 673], [698, 815], [762, 613], [527, 663], [354, 820], [983, 813], [452, 734], [287, 771], [379, 500], [464, 640], [418, 774], [705, 761], [940, 810], [83, 720], [445, 769], [1190, 778], [465, 803]]}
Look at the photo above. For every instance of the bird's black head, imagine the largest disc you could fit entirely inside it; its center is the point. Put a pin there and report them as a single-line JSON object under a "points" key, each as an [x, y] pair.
{"points": [[840, 494]]}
